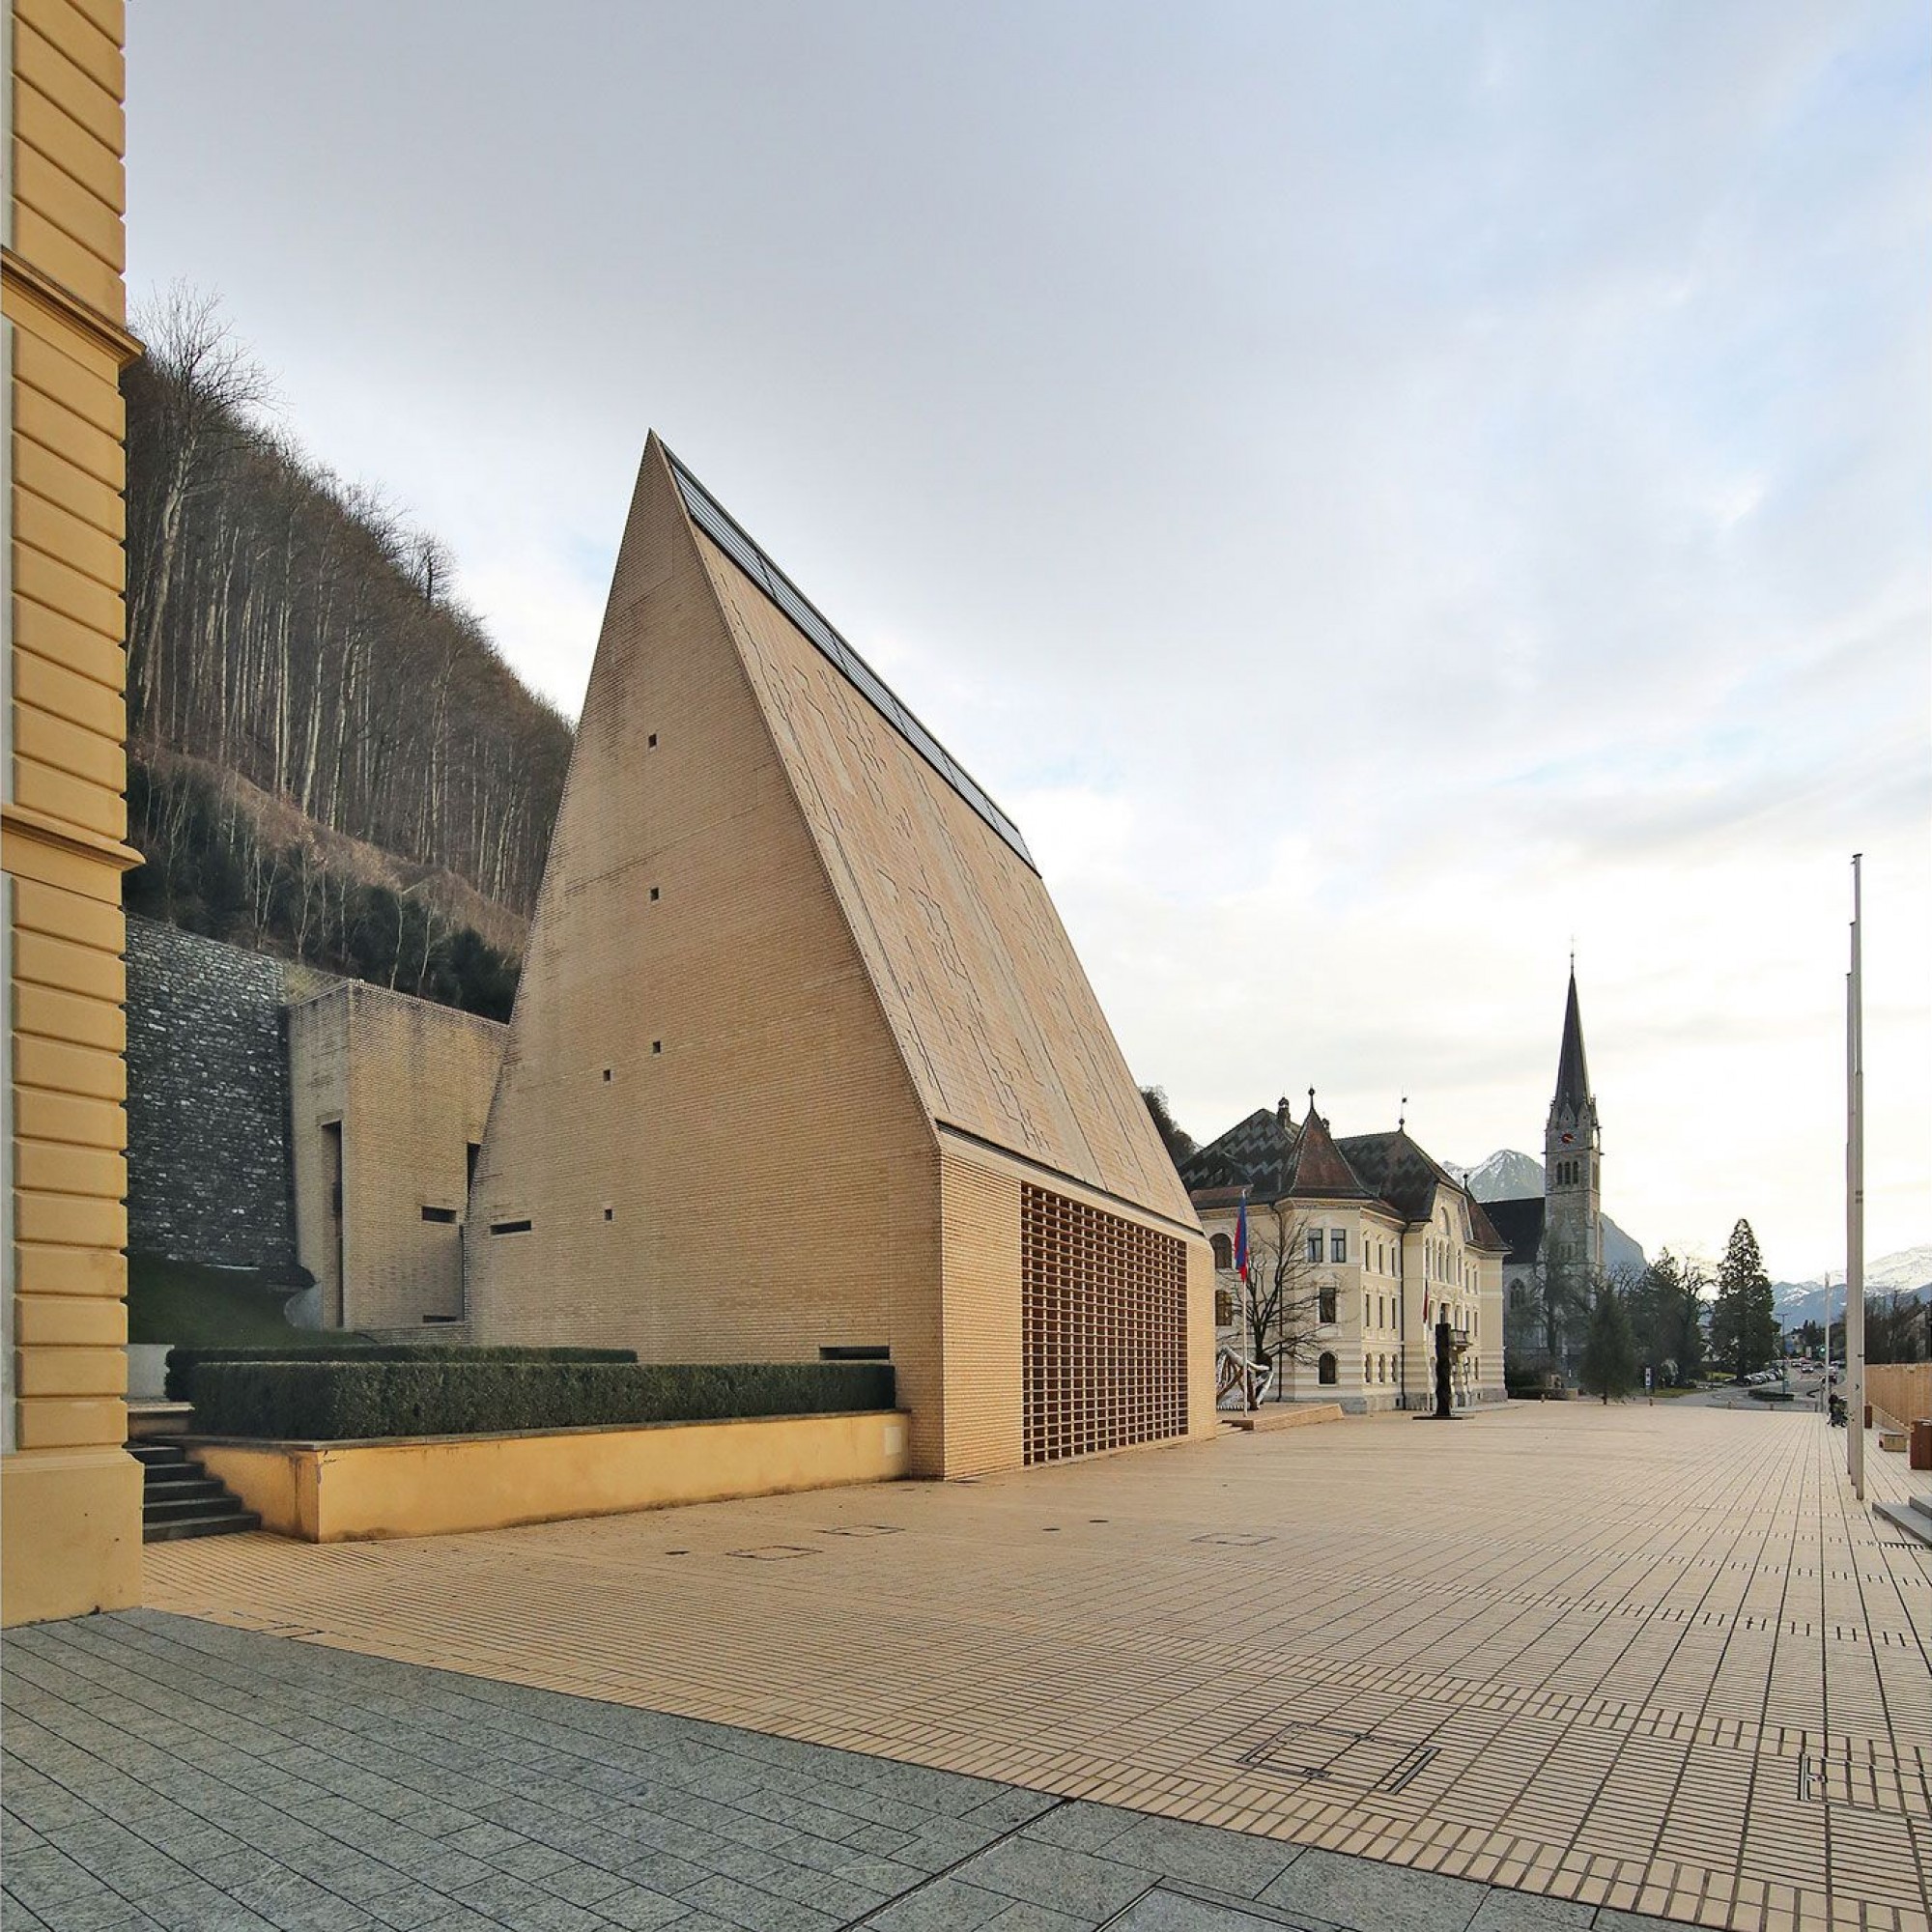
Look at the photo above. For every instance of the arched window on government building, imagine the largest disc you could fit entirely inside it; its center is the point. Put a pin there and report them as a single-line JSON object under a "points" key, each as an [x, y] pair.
{"points": [[1325, 1371], [1224, 1252]]}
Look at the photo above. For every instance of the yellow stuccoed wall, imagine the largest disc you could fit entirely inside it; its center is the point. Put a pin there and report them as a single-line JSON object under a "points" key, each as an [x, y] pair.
{"points": [[334, 1493], [70, 1495]]}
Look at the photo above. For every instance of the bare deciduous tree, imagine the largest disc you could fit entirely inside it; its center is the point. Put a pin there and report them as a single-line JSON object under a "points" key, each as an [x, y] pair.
{"points": [[295, 630], [1282, 1300]]}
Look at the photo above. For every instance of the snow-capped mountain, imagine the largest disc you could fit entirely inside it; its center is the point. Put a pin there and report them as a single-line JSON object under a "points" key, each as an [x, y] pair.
{"points": [[1908, 1273], [1508, 1176]]}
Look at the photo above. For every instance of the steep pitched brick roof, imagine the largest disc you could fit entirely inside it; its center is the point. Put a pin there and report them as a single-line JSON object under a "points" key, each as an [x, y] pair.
{"points": [[1318, 1171]]}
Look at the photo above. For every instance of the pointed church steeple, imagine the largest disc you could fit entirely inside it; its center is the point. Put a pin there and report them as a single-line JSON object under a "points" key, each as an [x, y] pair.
{"points": [[1573, 1153], [1573, 1069]]}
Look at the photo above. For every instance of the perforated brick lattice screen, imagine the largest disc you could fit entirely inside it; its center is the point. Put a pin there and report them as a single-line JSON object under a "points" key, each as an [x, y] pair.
{"points": [[1103, 1307]]}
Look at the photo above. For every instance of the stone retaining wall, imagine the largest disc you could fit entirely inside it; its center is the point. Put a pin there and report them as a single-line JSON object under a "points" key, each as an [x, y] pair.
{"points": [[208, 1102]]}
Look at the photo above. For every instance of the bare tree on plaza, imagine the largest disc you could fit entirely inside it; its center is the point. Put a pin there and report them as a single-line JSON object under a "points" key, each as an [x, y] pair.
{"points": [[1281, 1301]]}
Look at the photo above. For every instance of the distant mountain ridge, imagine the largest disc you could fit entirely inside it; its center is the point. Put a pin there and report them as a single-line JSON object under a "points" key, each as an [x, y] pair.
{"points": [[1907, 1273], [1508, 1174]]}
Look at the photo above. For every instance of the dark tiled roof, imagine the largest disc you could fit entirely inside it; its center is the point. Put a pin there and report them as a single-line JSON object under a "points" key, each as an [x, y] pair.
{"points": [[1253, 1154], [1216, 1197], [1394, 1169], [1483, 1232], [1259, 1158], [1519, 1224]]}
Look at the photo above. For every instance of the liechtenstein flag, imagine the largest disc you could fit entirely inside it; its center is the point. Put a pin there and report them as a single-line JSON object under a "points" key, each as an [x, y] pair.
{"points": [[1241, 1239]]}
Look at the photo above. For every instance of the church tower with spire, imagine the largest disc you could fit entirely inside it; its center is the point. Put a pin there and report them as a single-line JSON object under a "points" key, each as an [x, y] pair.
{"points": [[1572, 1159]]}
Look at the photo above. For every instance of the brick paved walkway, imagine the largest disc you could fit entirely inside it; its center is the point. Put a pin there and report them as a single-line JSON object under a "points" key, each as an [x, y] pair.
{"points": [[165, 1773], [1647, 1658]]}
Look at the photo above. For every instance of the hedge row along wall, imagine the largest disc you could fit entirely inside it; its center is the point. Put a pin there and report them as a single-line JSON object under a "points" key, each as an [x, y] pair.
{"points": [[183, 1362], [377, 1395]]}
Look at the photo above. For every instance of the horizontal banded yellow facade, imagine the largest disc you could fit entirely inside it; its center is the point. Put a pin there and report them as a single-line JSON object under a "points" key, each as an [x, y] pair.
{"points": [[70, 1495]]}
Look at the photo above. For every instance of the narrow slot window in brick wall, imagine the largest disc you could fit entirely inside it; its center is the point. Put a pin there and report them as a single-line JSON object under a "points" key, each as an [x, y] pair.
{"points": [[1103, 1311]]}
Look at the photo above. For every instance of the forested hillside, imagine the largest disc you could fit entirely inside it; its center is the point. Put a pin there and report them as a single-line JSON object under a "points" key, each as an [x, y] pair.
{"points": [[292, 632]]}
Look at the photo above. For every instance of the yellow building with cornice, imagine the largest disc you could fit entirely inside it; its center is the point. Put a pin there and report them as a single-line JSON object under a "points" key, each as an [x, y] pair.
{"points": [[70, 1493]]}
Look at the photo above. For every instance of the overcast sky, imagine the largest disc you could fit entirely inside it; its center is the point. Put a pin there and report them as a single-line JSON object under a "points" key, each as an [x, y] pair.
{"points": [[1377, 492]]}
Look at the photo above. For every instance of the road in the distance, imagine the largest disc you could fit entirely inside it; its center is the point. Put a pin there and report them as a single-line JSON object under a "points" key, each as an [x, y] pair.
{"points": [[1804, 1386]]}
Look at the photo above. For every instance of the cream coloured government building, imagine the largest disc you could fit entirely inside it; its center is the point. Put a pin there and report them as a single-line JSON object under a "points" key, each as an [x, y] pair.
{"points": [[1380, 1237]]}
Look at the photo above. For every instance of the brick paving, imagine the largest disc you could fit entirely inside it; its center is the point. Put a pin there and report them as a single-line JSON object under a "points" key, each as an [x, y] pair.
{"points": [[164, 1772], [1648, 1659]]}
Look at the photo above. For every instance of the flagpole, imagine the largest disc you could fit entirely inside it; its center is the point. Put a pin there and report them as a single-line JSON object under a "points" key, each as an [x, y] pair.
{"points": [[1855, 1199], [1825, 1386]]}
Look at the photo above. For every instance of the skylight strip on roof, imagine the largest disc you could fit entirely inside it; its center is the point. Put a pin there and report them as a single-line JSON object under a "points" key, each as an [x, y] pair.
{"points": [[730, 536]]}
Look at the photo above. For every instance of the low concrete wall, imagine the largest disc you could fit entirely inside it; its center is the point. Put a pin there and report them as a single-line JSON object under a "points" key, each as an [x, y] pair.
{"points": [[1284, 1415], [1902, 1390], [429, 1485]]}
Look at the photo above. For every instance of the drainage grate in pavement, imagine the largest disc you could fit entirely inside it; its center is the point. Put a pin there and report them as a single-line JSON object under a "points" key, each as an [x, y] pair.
{"points": [[1354, 1760], [1866, 1784], [1237, 1539], [773, 1553], [860, 1529]]}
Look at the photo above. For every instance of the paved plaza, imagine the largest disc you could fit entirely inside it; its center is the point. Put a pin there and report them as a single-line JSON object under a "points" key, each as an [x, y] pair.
{"points": [[1642, 1659], [215, 1781]]}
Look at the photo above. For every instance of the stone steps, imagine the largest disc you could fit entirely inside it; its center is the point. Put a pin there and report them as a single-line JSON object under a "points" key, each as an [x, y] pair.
{"points": [[1914, 1518], [180, 1498]]}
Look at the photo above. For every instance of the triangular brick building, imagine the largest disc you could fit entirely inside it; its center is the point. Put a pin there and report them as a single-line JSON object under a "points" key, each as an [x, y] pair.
{"points": [[803, 1062]]}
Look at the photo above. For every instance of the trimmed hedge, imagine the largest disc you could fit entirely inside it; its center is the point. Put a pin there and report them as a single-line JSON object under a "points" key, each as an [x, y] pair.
{"points": [[343, 1399], [335, 1348]]}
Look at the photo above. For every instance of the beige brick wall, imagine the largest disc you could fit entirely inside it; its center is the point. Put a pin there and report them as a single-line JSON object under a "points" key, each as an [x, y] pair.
{"points": [[772, 1182], [408, 1083], [979, 1204], [774, 959], [980, 1193]]}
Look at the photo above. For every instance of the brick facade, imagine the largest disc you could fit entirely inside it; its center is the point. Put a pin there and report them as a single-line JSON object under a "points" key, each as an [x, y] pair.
{"points": [[793, 1025]]}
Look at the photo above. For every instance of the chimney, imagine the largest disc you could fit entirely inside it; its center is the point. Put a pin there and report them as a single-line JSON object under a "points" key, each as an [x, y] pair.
{"points": [[1284, 1115]]}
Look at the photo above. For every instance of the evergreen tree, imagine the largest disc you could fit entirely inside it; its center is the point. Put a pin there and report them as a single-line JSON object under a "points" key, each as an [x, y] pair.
{"points": [[1743, 1321], [1666, 1308], [1609, 1363], [1647, 1299]]}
